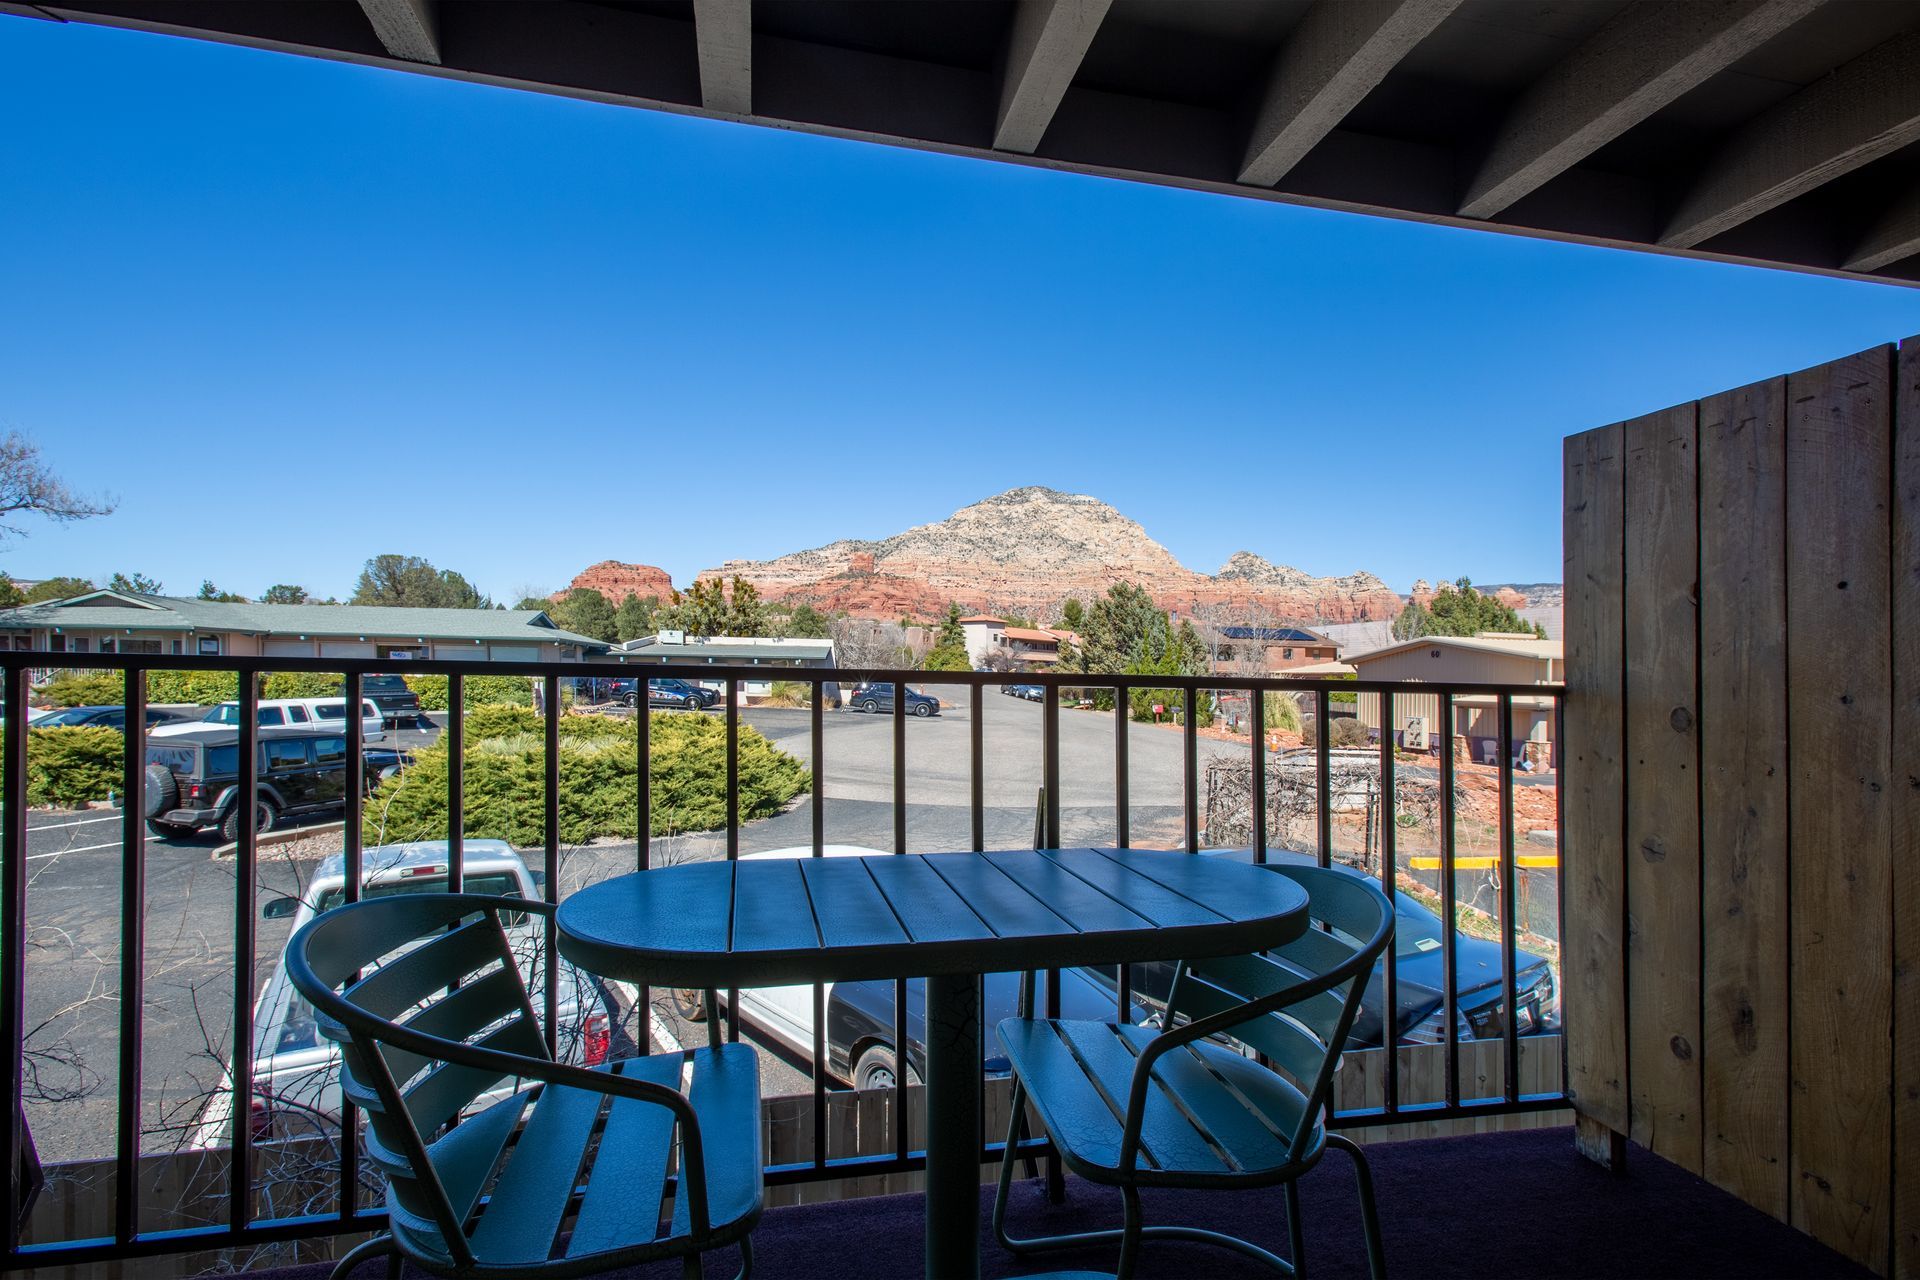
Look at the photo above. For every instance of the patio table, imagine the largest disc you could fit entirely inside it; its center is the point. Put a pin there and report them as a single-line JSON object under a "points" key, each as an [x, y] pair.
{"points": [[946, 917]]}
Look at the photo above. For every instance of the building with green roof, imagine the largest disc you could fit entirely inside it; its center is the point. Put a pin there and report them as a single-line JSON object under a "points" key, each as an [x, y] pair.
{"points": [[124, 622]]}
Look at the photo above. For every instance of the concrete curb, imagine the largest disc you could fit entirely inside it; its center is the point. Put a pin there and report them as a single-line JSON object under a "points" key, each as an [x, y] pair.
{"points": [[282, 836]]}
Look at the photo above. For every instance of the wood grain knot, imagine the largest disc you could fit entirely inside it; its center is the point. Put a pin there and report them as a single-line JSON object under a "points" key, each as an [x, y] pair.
{"points": [[1681, 719], [1681, 1049], [1654, 849]]}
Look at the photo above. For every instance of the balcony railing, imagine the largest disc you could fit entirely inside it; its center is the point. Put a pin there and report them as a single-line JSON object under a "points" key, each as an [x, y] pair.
{"points": [[1439, 1069]]}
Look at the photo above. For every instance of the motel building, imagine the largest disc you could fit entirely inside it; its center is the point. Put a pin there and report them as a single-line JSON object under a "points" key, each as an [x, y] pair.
{"points": [[113, 622]]}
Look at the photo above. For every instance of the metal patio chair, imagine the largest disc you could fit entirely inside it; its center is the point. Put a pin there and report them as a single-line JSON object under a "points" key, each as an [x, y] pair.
{"points": [[563, 1178], [1130, 1107]]}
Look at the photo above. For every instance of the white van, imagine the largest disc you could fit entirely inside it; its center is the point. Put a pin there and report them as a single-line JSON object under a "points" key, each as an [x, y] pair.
{"points": [[275, 713]]}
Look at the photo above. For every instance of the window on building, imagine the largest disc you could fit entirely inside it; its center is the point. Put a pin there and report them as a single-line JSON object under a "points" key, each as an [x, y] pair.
{"points": [[79, 644], [140, 646], [106, 644], [210, 646], [1285, 654]]}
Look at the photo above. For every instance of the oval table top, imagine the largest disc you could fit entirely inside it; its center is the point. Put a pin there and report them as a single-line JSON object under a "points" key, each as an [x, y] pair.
{"points": [[762, 922]]}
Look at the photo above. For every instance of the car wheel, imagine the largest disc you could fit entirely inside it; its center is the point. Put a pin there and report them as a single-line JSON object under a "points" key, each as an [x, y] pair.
{"points": [[870, 706], [264, 816], [689, 1004], [165, 830], [922, 710], [694, 703], [876, 1069], [633, 700]]}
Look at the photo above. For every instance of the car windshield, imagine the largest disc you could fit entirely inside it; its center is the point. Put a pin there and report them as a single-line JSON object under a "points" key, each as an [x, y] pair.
{"points": [[1416, 930], [225, 713], [172, 759], [501, 884], [383, 684]]}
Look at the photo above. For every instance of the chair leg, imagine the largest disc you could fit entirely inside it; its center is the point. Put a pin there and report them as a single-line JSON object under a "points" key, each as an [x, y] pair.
{"points": [[1129, 1233], [690, 1266], [1296, 1231], [1014, 1126], [377, 1247], [1369, 1212]]}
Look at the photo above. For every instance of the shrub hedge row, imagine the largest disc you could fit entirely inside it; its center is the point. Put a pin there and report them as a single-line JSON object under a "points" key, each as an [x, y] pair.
{"points": [[504, 781], [68, 767], [516, 691]]}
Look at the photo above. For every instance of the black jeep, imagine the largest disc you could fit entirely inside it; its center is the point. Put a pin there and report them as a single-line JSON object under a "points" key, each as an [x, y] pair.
{"points": [[192, 780]]}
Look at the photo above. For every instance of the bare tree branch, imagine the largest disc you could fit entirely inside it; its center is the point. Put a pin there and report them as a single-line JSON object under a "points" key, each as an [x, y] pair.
{"points": [[27, 485]]}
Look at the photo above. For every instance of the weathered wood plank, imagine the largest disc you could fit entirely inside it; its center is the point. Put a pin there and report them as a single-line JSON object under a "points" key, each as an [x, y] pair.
{"points": [[1663, 793], [1840, 718], [1594, 817], [1906, 810], [1743, 768]]}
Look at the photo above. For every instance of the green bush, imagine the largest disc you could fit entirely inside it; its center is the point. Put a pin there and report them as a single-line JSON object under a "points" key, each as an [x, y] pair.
{"points": [[201, 688], [300, 684], [481, 691], [67, 767], [505, 779], [85, 689]]}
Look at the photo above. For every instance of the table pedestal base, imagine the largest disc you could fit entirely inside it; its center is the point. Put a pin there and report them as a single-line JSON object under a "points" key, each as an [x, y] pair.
{"points": [[953, 1127]]}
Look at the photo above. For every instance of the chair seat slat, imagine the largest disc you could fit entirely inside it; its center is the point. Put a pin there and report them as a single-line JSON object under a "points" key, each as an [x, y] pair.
{"points": [[531, 1197], [725, 1093], [1249, 1143], [1167, 1135], [629, 1175], [1079, 1119]]}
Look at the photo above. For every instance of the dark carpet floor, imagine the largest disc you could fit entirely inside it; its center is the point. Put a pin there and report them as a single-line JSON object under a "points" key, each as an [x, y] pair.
{"points": [[1496, 1205]]}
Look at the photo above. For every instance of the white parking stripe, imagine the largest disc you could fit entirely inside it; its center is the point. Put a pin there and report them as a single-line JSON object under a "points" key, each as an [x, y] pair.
{"points": [[85, 848], [669, 1042], [84, 822]]}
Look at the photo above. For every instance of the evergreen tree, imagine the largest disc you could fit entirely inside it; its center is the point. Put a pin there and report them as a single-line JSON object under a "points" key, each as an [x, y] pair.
{"points": [[806, 623], [1458, 610], [210, 592], [746, 613], [412, 582], [635, 617], [585, 612], [1073, 614], [56, 589], [10, 595], [284, 593], [949, 652], [138, 584]]}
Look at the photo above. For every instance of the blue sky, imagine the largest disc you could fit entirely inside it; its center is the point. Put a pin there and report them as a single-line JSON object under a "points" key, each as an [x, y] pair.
{"points": [[295, 314]]}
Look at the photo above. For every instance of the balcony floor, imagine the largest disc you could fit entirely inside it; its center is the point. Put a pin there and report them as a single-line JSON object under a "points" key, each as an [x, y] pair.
{"points": [[1492, 1205]]}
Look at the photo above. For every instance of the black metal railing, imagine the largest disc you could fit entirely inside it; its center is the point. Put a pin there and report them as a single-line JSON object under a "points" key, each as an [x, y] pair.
{"points": [[243, 1228]]}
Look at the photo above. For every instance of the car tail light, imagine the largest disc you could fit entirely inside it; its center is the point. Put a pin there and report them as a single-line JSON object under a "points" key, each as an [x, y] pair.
{"points": [[196, 791], [596, 1039], [260, 1121]]}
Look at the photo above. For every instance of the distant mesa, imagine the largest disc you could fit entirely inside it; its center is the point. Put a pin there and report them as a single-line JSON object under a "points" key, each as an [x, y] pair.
{"points": [[1026, 551], [616, 580]]}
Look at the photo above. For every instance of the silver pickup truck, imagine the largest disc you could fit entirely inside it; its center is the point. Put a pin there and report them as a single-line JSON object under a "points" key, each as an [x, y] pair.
{"points": [[296, 1071]]}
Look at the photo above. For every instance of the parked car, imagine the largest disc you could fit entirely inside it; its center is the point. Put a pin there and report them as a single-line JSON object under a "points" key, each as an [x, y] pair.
{"points": [[1420, 978], [860, 1031], [192, 779], [277, 713], [675, 693], [96, 718], [396, 703], [296, 1071], [1031, 692], [879, 697]]}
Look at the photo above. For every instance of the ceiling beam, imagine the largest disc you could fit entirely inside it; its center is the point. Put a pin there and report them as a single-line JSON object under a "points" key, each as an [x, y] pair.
{"points": [[723, 34], [1338, 53], [408, 28], [1653, 52], [1045, 46], [1894, 238], [1862, 111]]}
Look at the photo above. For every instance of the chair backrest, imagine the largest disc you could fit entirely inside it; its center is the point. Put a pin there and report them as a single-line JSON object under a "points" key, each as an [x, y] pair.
{"points": [[437, 965], [1300, 1000]]}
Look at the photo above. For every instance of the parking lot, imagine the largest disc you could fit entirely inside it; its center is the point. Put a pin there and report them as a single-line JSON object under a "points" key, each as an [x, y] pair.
{"points": [[75, 884]]}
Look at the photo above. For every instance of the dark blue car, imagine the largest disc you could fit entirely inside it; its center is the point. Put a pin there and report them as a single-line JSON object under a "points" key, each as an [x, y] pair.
{"points": [[1420, 977], [879, 697]]}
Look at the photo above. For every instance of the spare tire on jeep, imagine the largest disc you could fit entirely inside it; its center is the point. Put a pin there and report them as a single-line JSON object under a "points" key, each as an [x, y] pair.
{"points": [[162, 792]]}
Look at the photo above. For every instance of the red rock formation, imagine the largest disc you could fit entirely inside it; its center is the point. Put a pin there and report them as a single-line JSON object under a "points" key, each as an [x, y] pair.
{"points": [[617, 580], [1027, 550]]}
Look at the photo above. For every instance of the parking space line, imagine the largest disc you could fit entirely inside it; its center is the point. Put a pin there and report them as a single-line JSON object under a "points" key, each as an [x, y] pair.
{"points": [[664, 1033], [83, 849], [84, 822]]}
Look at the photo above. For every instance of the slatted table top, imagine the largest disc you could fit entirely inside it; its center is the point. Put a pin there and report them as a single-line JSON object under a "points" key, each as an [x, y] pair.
{"points": [[778, 921]]}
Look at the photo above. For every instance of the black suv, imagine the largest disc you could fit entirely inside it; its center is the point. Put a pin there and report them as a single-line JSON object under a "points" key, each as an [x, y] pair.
{"points": [[398, 704], [191, 780]]}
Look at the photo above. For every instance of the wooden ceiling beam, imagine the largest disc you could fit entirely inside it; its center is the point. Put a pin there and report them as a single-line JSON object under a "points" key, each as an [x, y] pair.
{"points": [[1338, 53]]}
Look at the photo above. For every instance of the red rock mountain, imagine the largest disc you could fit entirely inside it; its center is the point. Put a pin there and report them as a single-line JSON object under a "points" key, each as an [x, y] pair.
{"points": [[1029, 549], [616, 581]]}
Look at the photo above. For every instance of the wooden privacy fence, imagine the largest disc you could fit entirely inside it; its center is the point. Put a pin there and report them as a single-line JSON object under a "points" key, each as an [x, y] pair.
{"points": [[1742, 794]]}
